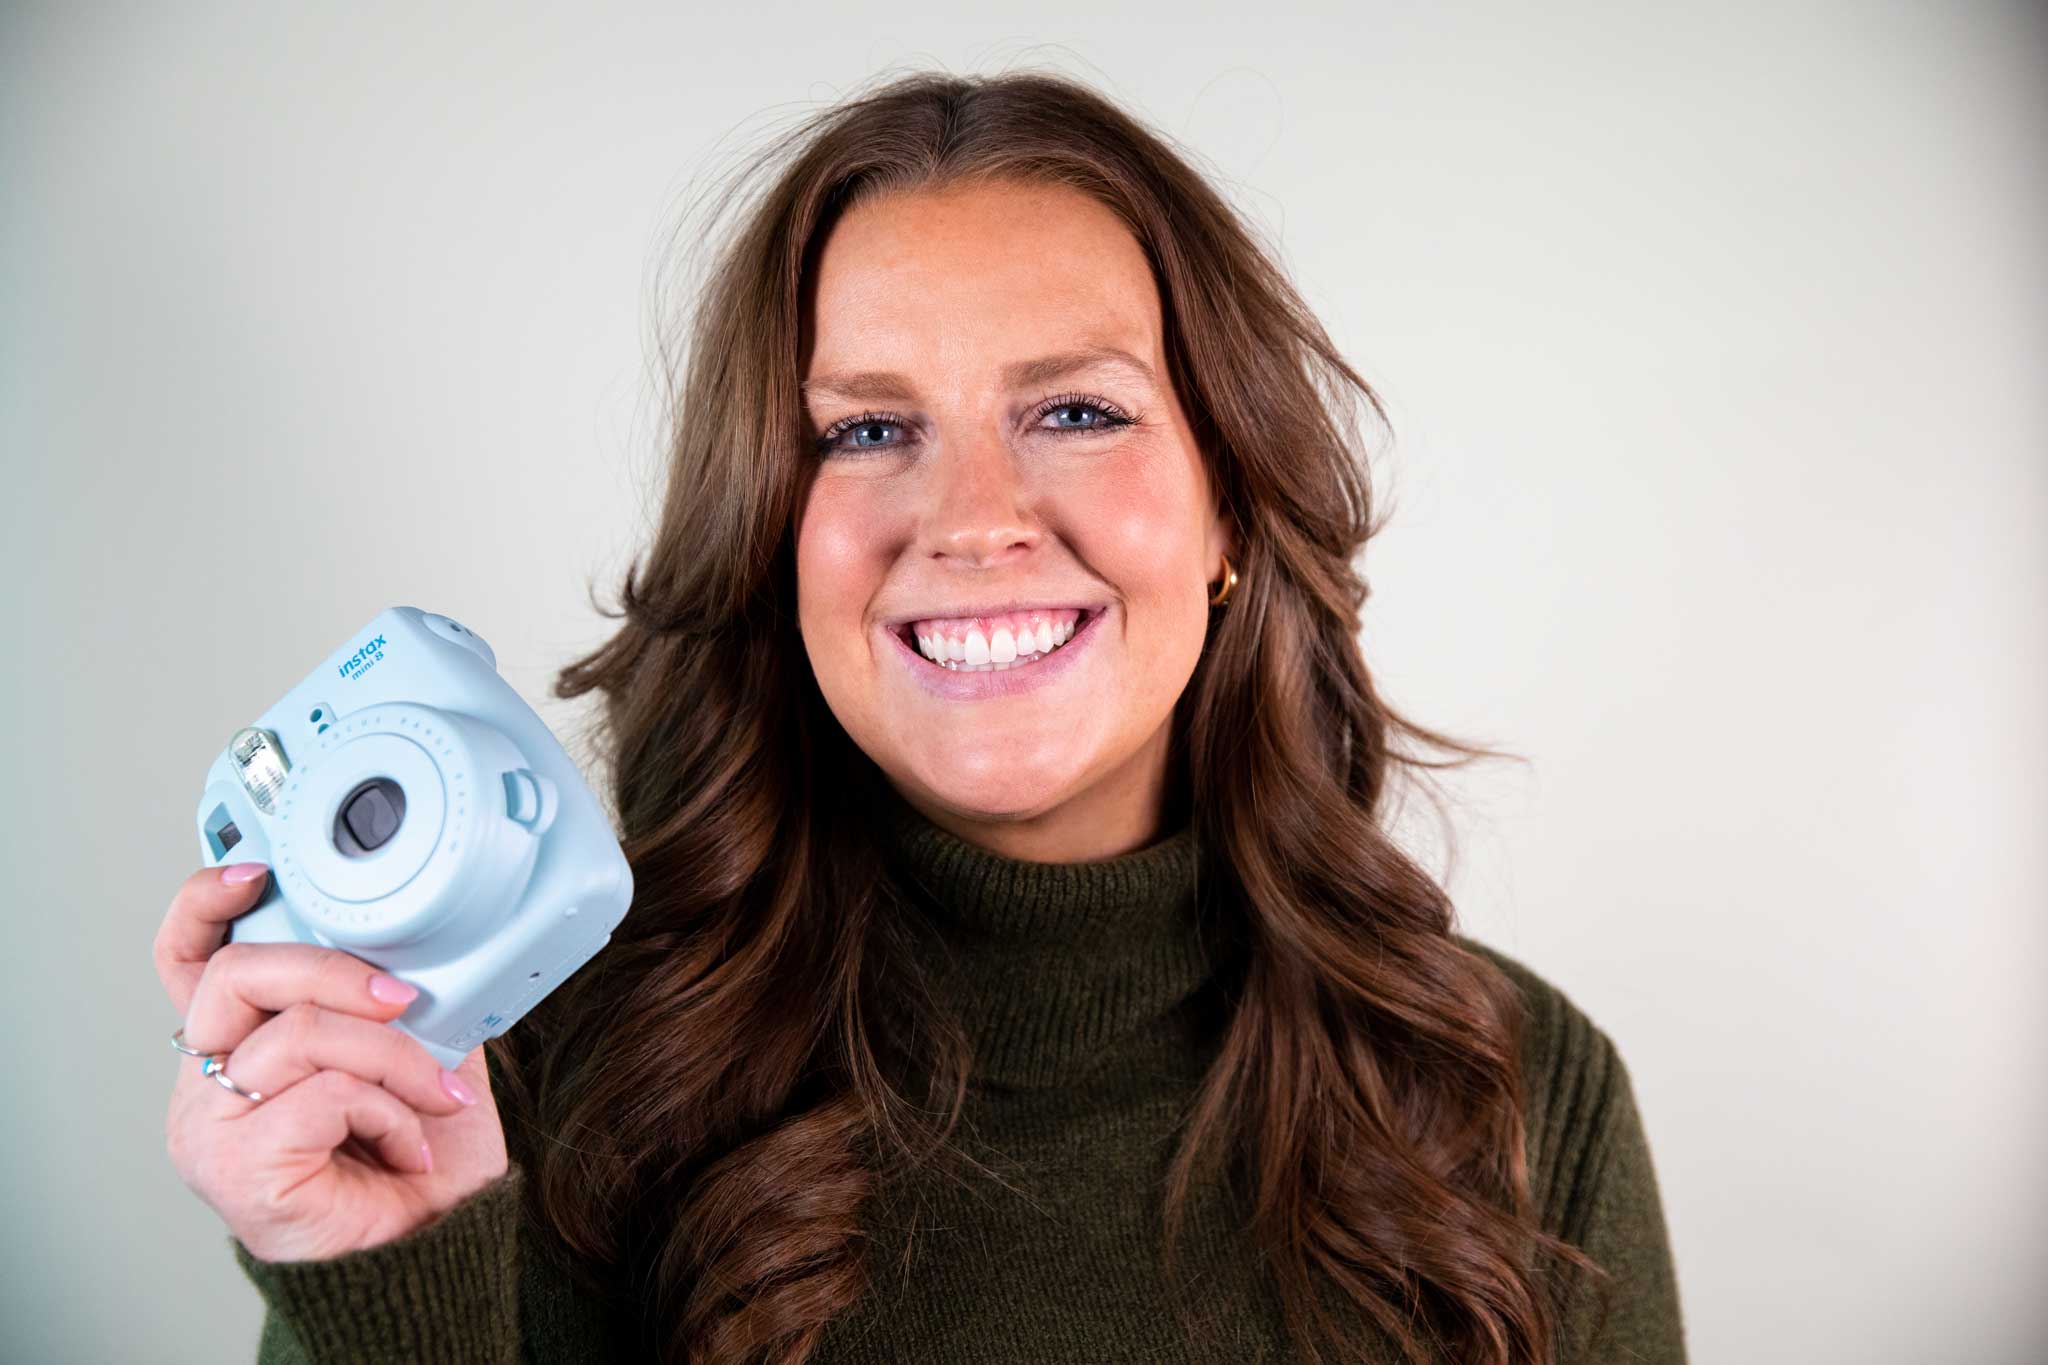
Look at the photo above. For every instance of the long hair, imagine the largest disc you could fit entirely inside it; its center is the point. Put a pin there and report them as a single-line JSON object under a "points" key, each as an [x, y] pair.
{"points": [[713, 1101]]}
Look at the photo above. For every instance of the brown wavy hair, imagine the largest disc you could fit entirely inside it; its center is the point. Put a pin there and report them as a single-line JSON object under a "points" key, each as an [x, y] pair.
{"points": [[704, 1111]]}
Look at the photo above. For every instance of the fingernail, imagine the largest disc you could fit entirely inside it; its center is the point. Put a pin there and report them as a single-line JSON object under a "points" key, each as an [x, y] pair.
{"points": [[234, 874], [427, 1155], [390, 989], [452, 1083]]}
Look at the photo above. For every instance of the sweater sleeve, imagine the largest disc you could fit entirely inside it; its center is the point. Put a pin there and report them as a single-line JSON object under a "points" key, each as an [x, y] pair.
{"points": [[1594, 1182], [1614, 1212], [445, 1293]]}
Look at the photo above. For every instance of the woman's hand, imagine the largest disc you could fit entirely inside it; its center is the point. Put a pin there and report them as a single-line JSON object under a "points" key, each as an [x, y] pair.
{"points": [[335, 1157]]}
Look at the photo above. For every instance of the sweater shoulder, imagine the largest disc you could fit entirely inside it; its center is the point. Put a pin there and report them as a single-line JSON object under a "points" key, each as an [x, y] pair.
{"points": [[1556, 1031], [1576, 1087], [1592, 1179]]}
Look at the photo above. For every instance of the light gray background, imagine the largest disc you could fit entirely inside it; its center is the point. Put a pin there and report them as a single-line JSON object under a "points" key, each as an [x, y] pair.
{"points": [[1714, 338]]}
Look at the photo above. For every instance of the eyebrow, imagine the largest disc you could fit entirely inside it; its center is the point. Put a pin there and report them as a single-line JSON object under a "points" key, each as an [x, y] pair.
{"points": [[890, 387]]}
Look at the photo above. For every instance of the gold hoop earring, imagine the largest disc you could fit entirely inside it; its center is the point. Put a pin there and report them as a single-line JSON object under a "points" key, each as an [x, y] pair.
{"points": [[1229, 581]]}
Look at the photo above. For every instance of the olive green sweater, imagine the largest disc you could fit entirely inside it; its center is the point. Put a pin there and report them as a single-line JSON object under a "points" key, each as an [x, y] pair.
{"points": [[1088, 992]]}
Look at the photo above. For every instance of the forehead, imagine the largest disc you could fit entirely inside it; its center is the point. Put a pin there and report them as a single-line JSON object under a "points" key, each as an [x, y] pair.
{"points": [[973, 274]]}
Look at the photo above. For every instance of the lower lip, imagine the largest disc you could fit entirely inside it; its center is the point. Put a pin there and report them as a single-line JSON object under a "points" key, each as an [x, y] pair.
{"points": [[954, 685]]}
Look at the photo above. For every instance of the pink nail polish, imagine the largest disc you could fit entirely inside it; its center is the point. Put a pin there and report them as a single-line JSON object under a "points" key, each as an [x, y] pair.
{"points": [[390, 989], [427, 1155], [234, 874], [452, 1083]]}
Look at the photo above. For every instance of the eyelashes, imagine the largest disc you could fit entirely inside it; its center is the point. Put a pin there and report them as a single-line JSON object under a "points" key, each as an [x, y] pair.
{"points": [[1111, 418]]}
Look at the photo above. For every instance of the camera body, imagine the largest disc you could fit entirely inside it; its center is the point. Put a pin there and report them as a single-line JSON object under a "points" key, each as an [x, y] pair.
{"points": [[417, 814]]}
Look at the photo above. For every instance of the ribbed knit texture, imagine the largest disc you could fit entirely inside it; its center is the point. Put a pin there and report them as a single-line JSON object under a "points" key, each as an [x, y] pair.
{"points": [[1088, 994]]}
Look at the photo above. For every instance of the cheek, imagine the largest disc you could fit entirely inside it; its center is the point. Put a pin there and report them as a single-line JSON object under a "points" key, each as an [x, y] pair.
{"points": [[837, 559], [1144, 537]]}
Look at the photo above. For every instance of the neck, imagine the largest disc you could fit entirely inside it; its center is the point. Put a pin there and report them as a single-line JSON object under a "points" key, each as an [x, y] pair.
{"points": [[1054, 969]]}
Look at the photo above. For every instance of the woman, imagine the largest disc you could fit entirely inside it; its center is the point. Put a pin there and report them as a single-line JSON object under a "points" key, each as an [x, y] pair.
{"points": [[1018, 971]]}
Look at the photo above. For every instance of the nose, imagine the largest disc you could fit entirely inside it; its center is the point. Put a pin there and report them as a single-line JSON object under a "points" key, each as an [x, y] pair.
{"points": [[977, 512]]}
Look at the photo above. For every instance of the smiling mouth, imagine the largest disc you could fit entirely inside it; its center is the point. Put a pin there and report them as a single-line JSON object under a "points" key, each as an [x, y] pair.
{"points": [[978, 653]]}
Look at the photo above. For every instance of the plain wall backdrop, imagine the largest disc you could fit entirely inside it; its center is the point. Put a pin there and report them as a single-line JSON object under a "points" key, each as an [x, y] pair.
{"points": [[1714, 342]]}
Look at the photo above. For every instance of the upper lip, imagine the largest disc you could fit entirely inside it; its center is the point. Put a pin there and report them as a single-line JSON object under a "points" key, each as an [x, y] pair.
{"points": [[950, 613]]}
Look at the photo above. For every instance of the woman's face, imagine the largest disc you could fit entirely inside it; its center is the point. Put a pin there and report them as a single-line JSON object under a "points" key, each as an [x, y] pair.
{"points": [[994, 477]]}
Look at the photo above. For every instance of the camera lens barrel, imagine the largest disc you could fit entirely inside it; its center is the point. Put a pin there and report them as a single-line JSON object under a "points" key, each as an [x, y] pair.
{"points": [[398, 826]]}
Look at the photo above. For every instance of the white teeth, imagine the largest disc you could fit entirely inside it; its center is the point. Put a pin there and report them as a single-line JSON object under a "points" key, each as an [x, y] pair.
{"points": [[995, 653]]}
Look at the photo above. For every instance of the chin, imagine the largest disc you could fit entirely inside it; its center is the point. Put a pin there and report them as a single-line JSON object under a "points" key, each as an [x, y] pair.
{"points": [[998, 795]]}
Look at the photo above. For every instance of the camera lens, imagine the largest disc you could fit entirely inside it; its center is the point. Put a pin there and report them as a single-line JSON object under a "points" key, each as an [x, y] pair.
{"points": [[369, 816]]}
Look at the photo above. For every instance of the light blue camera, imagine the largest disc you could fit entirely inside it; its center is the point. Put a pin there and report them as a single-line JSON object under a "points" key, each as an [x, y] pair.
{"points": [[417, 814]]}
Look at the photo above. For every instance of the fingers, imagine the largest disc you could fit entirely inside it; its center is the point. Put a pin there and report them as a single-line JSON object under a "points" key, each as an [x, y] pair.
{"points": [[305, 1040], [243, 984], [196, 925], [312, 1118]]}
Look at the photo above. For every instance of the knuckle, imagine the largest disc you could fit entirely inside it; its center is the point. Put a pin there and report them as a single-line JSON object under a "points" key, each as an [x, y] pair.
{"points": [[299, 1022], [173, 910], [230, 959], [331, 1087], [341, 974], [410, 1057], [415, 1053], [216, 978], [166, 970]]}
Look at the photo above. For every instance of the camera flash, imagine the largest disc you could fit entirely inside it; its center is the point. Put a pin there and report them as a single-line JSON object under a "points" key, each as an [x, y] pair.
{"points": [[261, 764]]}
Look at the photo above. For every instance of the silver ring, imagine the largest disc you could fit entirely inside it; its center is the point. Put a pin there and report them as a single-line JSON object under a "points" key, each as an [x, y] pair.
{"points": [[214, 1064]]}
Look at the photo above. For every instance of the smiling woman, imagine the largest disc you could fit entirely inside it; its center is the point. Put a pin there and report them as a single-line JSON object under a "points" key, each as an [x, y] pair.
{"points": [[982, 491], [1019, 969]]}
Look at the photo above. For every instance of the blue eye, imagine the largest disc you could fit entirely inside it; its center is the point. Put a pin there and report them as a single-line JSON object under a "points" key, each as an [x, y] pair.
{"points": [[830, 441], [1108, 417], [1110, 414]]}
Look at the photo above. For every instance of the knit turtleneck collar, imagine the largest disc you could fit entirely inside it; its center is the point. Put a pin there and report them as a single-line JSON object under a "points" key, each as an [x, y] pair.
{"points": [[1051, 967]]}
